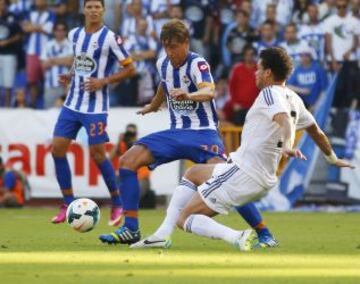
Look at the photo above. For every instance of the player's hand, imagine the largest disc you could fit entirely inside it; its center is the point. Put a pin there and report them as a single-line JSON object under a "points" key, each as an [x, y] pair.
{"points": [[64, 79], [93, 84], [146, 109], [179, 95], [295, 153], [344, 164]]}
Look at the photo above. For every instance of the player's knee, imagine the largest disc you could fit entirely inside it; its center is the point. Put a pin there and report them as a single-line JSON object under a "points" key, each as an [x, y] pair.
{"points": [[97, 155], [58, 151], [192, 175], [128, 162]]}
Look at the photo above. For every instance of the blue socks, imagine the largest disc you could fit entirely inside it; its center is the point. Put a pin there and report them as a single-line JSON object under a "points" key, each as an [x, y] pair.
{"points": [[63, 176], [108, 174], [253, 217], [130, 193]]}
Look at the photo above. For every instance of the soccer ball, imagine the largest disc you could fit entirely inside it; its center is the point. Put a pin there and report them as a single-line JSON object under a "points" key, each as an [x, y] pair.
{"points": [[83, 215]]}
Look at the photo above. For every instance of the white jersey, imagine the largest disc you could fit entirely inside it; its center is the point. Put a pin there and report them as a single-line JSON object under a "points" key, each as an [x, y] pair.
{"points": [[260, 151], [38, 40], [55, 49], [192, 75], [94, 56], [342, 30]]}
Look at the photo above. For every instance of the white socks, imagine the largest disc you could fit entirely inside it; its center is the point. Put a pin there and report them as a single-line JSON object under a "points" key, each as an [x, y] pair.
{"points": [[207, 227], [181, 196]]}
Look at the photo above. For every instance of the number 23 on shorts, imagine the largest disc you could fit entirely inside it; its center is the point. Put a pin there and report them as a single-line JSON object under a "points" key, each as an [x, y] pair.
{"points": [[97, 129]]}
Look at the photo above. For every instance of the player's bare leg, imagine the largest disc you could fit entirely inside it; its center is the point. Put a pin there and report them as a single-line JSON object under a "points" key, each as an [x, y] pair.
{"points": [[97, 153], [60, 146], [196, 218]]}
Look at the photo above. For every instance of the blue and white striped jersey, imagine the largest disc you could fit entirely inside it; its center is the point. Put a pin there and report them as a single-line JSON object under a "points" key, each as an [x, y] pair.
{"points": [[20, 8], [314, 35], [192, 75], [94, 56], [38, 40], [55, 49]]}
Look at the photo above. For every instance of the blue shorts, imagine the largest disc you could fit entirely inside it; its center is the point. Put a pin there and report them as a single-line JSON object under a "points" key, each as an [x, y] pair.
{"points": [[70, 122], [170, 145]]}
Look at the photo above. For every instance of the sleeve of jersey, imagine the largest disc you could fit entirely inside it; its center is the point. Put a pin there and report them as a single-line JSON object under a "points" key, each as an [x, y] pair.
{"points": [[271, 103], [200, 70], [9, 180], [118, 49], [306, 119]]}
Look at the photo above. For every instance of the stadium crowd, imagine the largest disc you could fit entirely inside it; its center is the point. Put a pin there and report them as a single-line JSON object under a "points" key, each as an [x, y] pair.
{"points": [[321, 37]]}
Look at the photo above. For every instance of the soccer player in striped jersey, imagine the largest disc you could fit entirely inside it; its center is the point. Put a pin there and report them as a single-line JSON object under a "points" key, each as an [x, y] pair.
{"points": [[268, 134], [96, 50], [187, 86]]}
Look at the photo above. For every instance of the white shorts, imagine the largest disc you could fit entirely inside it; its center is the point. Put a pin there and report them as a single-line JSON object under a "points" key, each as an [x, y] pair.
{"points": [[230, 186], [8, 65]]}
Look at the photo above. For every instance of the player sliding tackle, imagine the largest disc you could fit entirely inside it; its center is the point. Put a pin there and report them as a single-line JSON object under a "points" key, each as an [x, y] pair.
{"points": [[188, 87], [268, 134], [96, 50]]}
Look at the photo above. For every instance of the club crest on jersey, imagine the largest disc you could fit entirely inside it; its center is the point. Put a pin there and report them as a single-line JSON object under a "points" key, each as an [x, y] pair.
{"points": [[203, 66], [183, 107], [84, 65], [186, 80], [95, 45]]}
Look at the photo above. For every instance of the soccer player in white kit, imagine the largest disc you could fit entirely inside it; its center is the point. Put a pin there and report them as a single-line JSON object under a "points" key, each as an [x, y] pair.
{"points": [[268, 134]]}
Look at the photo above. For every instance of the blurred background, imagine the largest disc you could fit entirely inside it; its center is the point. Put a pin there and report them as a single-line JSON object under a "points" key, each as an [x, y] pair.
{"points": [[322, 37]]}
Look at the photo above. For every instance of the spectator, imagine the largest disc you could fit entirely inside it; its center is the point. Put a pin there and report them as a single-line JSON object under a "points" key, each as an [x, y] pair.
{"points": [[56, 59], [300, 15], [239, 35], [242, 86], [159, 11], [341, 44], [142, 48], [10, 37], [222, 98], [326, 9], [58, 7], [267, 37], [292, 44], [200, 15], [12, 187], [125, 142], [284, 11], [313, 33], [355, 8], [309, 79], [271, 15], [20, 8], [39, 26], [136, 12]]}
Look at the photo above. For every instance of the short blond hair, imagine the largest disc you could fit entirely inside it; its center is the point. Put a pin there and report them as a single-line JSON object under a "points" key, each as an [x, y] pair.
{"points": [[174, 30]]}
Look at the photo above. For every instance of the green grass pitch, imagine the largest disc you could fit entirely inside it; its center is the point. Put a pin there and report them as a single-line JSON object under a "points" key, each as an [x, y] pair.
{"points": [[315, 248]]}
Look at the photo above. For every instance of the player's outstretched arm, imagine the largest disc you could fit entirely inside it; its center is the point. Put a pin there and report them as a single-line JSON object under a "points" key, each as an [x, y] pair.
{"points": [[323, 143], [287, 132], [156, 102]]}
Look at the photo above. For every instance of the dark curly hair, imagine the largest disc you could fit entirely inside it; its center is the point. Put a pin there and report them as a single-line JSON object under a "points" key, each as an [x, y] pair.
{"points": [[278, 61]]}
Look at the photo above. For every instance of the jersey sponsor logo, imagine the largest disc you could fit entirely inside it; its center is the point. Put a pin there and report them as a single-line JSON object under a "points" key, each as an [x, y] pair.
{"points": [[84, 65], [203, 66], [183, 107]]}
